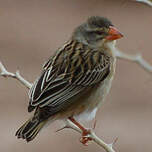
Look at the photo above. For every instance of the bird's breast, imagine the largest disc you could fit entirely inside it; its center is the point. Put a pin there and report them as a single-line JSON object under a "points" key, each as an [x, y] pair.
{"points": [[96, 97]]}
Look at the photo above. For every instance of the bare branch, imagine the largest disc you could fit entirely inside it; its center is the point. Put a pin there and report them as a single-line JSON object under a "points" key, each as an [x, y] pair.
{"points": [[148, 2], [134, 58], [16, 75], [92, 135]]}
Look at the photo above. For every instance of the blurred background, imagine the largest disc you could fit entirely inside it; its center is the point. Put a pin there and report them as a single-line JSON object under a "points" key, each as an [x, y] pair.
{"points": [[30, 31]]}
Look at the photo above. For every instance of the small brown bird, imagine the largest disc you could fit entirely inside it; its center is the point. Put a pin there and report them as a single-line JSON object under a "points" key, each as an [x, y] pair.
{"points": [[75, 80]]}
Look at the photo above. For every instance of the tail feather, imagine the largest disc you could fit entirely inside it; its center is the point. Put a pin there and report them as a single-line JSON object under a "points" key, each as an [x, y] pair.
{"points": [[30, 129]]}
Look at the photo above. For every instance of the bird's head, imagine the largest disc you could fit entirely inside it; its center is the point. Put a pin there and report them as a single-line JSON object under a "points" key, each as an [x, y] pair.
{"points": [[96, 30]]}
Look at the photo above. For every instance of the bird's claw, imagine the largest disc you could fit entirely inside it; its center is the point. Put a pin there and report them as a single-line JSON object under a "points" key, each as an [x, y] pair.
{"points": [[85, 137]]}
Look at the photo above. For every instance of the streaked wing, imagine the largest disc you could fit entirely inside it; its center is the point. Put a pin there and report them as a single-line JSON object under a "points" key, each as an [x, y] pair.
{"points": [[71, 71]]}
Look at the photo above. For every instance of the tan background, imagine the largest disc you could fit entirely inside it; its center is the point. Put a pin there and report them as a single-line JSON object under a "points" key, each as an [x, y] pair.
{"points": [[31, 30]]}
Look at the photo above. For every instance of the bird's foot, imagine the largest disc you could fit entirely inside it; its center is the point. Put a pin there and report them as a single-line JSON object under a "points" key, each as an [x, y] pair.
{"points": [[86, 133], [85, 136]]}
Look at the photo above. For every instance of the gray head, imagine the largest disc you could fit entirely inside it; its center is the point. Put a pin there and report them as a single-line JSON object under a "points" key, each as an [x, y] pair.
{"points": [[96, 30]]}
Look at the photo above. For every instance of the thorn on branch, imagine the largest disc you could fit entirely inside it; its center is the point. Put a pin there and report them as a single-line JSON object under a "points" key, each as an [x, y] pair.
{"points": [[113, 143], [95, 124], [91, 136], [65, 127]]}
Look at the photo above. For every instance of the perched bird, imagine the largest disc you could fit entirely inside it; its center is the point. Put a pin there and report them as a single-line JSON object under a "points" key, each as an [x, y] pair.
{"points": [[75, 80]]}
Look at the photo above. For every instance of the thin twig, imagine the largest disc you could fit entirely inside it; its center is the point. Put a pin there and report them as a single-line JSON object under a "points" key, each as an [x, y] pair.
{"points": [[92, 135], [15, 75], [134, 58], [148, 2]]}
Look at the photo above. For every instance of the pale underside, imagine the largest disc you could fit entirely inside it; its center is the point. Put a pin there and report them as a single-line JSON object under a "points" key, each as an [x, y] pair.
{"points": [[99, 95]]}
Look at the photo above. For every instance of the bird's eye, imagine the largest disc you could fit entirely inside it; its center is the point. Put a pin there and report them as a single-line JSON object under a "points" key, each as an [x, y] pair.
{"points": [[99, 32]]}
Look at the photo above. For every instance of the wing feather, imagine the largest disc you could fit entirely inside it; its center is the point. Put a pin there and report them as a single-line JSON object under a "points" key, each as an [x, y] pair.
{"points": [[67, 74]]}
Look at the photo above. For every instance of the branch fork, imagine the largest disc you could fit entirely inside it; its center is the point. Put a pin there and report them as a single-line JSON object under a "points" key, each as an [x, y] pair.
{"points": [[91, 135], [15, 75]]}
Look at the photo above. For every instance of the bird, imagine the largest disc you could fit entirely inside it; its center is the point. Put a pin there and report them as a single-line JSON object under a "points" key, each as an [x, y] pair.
{"points": [[75, 80]]}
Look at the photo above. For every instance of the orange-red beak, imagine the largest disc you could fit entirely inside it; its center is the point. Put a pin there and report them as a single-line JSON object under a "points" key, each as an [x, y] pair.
{"points": [[113, 34]]}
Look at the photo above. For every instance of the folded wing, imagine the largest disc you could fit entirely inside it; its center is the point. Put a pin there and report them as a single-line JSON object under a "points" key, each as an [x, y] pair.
{"points": [[68, 74]]}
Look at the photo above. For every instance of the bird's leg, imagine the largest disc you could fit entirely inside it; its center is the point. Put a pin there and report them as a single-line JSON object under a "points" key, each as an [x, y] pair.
{"points": [[85, 132]]}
